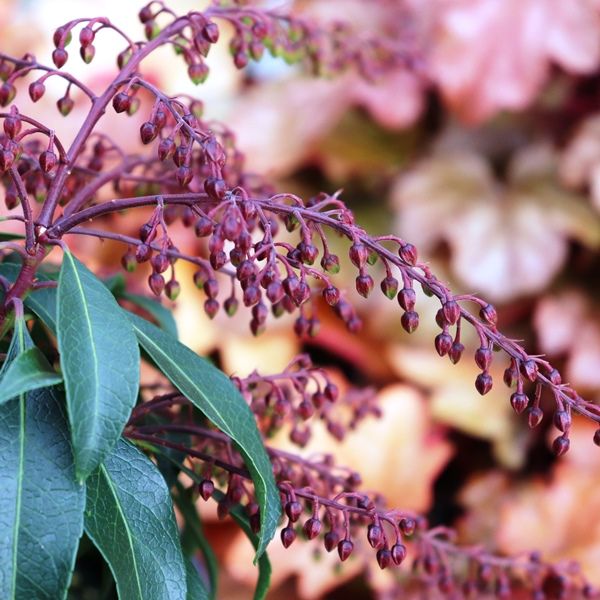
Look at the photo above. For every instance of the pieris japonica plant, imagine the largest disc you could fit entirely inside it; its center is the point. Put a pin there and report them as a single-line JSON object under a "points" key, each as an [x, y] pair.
{"points": [[85, 448]]}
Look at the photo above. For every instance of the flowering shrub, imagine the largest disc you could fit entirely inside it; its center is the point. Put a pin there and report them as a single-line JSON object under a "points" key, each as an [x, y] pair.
{"points": [[85, 446]]}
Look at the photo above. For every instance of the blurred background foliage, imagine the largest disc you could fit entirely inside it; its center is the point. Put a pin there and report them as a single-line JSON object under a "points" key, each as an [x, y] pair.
{"points": [[486, 155]]}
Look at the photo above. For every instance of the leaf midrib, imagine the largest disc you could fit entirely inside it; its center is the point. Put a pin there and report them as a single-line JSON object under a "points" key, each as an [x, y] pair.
{"points": [[130, 536], [92, 342], [20, 471]]}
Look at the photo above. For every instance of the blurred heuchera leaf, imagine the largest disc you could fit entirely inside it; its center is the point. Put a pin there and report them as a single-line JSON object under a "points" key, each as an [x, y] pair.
{"points": [[398, 454], [516, 41], [567, 324], [455, 402], [506, 238], [545, 512]]}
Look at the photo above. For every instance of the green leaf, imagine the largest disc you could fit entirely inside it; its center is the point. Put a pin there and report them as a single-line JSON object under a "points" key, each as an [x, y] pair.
{"points": [[194, 532], [216, 397], [100, 361], [163, 316], [196, 590], [264, 565], [29, 371], [6, 236], [129, 517], [41, 504]]}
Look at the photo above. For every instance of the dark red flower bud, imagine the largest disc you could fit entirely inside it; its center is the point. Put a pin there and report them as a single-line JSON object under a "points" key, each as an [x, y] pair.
{"points": [[143, 253], [534, 416], [410, 321], [560, 445], [12, 126], [389, 286], [306, 409], [211, 308], [210, 32], [7, 93], [172, 289], [331, 263], [7, 159], [231, 305], [156, 283], [166, 148], [288, 535], [87, 53], [331, 295], [407, 299], [483, 383], [211, 288], [375, 535], [128, 261], [529, 368], [408, 253], [331, 540], [443, 343], [148, 132], [384, 558], [240, 59], [121, 102], [511, 374], [215, 188], [597, 437], [345, 548], [47, 161], [331, 392], [59, 57], [160, 263], [184, 175], [293, 510], [364, 285], [483, 358], [203, 227], [145, 14], [86, 36], [488, 314], [275, 292], [65, 105], [252, 295], [358, 254], [562, 420], [36, 90], [206, 488], [455, 352], [451, 311], [519, 402], [308, 253], [398, 553], [198, 72], [554, 377], [407, 525], [312, 528]]}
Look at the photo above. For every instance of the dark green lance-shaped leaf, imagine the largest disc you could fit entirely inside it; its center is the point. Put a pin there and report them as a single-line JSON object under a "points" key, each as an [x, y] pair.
{"points": [[193, 537], [196, 589], [28, 371], [6, 236], [264, 565], [216, 397], [129, 517], [100, 362], [41, 504], [163, 316]]}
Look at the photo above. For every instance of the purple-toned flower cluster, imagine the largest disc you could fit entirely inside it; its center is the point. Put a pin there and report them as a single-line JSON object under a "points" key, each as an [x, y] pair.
{"points": [[194, 173]]}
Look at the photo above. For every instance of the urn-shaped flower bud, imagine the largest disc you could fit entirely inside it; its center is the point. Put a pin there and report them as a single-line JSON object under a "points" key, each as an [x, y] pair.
{"points": [[345, 548], [483, 383]]}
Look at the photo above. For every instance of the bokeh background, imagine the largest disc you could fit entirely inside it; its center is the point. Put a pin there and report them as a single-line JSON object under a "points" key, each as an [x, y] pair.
{"points": [[486, 155]]}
